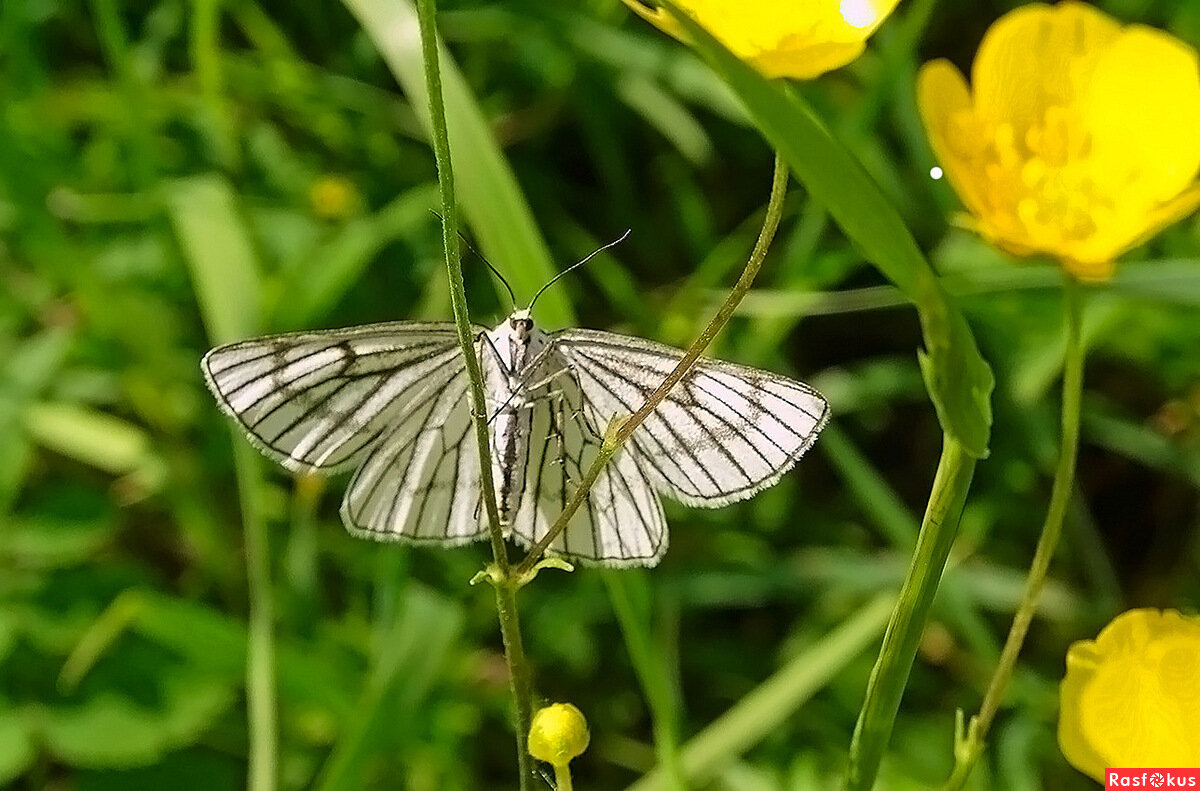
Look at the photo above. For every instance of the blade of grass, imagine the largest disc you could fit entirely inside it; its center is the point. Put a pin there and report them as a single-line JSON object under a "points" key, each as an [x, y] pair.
{"points": [[334, 267], [217, 248], [759, 713], [890, 674], [487, 190], [411, 656], [226, 277], [959, 381], [629, 592], [872, 492]]}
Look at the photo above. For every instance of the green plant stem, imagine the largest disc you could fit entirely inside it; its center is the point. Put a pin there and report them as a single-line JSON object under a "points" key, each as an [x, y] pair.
{"points": [[260, 650], [890, 674], [630, 594], [505, 586], [969, 750], [562, 777], [615, 438]]}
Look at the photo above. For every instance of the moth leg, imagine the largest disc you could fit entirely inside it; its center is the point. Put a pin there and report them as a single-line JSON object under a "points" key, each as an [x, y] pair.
{"points": [[558, 420], [565, 371], [528, 387], [577, 413], [483, 336]]}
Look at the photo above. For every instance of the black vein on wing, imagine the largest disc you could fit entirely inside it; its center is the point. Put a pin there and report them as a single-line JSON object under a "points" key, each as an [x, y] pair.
{"points": [[683, 446], [577, 339], [426, 410], [320, 407]]}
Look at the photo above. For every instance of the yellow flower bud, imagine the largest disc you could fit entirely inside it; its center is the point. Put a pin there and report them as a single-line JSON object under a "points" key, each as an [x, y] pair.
{"points": [[558, 733]]}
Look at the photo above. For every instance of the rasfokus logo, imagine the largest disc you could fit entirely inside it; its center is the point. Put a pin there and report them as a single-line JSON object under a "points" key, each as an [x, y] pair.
{"points": [[1151, 778]]}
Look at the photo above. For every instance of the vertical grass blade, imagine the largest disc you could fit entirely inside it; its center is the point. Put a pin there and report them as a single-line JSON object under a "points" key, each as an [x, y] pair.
{"points": [[630, 594], [226, 277], [488, 192], [890, 674]]}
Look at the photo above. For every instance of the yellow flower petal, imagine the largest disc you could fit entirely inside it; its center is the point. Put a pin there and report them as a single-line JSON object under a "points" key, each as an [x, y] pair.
{"points": [[1143, 108], [1132, 697], [1034, 58], [945, 104], [781, 38], [806, 60]]}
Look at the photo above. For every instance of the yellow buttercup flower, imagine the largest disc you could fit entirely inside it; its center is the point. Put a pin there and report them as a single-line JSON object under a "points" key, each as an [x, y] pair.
{"points": [[781, 38], [1078, 138], [1131, 697]]}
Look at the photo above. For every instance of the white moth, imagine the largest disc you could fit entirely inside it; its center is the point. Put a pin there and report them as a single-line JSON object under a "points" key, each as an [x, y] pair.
{"points": [[391, 402]]}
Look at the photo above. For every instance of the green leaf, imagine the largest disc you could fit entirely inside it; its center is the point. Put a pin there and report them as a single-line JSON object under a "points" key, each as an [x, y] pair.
{"points": [[490, 196], [97, 439], [16, 745], [112, 731], [47, 543], [959, 381], [332, 268], [217, 246]]}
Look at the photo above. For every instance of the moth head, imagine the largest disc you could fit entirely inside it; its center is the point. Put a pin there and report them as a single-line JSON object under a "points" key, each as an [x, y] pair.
{"points": [[522, 324]]}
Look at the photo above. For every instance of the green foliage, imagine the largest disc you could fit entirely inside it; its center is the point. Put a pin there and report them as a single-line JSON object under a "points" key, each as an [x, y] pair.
{"points": [[160, 169]]}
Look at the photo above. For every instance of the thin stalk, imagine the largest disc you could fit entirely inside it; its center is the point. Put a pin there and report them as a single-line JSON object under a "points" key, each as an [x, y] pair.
{"points": [[506, 604], [969, 750], [651, 668], [562, 777], [890, 674], [260, 650], [614, 439], [765, 709]]}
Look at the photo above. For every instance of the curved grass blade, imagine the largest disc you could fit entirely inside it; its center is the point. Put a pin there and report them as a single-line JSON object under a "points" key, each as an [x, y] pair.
{"points": [[959, 381]]}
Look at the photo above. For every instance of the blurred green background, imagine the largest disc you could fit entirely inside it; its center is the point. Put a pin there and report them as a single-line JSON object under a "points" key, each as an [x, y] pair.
{"points": [[172, 170]]}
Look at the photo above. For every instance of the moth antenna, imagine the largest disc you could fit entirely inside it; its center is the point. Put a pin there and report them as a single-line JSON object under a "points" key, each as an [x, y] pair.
{"points": [[512, 298], [590, 256]]}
